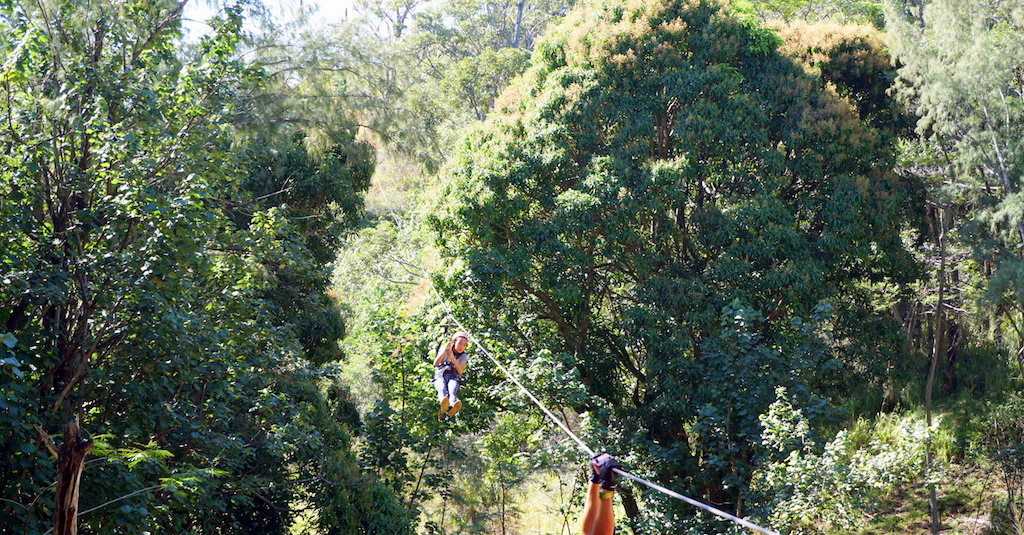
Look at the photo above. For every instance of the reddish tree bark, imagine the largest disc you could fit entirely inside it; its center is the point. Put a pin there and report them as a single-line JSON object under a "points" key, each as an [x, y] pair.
{"points": [[70, 462]]}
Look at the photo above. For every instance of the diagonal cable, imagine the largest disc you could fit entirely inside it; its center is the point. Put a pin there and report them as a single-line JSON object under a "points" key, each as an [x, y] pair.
{"points": [[501, 366], [582, 445]]}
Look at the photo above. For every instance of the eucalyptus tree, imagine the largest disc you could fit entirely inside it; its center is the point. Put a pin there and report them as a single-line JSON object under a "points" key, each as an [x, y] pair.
{"points": [[410, 73], [470, 51], [388, 19], [461, 28], [680, 211]]}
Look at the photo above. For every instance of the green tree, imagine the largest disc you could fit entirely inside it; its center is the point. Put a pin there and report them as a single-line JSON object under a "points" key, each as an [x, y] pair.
{"points": [[961, 74], [102, 148], [792, 11], [321, 198], [459, 28], [163, 290], [815, 488], [388, 19], [658, 168], [470, 51]]}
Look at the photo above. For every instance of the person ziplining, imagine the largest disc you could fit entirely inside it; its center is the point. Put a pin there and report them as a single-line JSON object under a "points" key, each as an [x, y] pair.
{"points": [[598, 517], [449, 365]]}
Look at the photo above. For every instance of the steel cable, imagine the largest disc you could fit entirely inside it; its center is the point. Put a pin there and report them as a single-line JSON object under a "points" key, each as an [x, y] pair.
{"points": [[583, 446]]}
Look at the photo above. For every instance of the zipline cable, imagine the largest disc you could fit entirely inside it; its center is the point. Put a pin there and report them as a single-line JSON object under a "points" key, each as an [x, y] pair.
{"points": [[558, 422], [695, 503], [582, 445]]}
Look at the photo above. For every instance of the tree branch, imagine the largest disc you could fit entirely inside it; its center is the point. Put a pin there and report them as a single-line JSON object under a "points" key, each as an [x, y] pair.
{"points": [[171, 17], [272, 504], [23, 506], [47, 441]]}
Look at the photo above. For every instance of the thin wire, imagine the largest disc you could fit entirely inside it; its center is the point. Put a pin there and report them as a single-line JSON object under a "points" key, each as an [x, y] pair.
{"points": [[555, 419], [695, 503], [584, 447]]}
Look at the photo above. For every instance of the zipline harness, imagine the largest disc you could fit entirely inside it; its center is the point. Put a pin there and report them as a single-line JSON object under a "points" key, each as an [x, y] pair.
{"points": [[590, 453]]}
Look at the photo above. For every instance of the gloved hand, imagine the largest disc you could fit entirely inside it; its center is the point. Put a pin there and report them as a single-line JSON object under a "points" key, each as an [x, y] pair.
{"points": [[595, 467], [603, 466]]}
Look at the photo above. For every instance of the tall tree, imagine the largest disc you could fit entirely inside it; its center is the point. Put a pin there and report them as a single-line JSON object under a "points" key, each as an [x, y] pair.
{"points": [[160, 286], [962, 74], [674, 201], [102, 140]]}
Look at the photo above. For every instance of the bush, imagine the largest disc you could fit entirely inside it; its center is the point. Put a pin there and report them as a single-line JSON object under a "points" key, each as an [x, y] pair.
{"points": [[1005, 442], [807, 487]]}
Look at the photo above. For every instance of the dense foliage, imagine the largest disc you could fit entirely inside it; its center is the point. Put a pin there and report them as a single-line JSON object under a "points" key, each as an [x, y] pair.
{"points": [[766, 252], [590, 260], [163, 302], [675, 200], [962, 74]]}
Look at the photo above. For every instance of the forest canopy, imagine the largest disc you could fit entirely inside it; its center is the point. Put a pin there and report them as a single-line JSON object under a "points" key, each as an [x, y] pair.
{"points": [[765, 252]]}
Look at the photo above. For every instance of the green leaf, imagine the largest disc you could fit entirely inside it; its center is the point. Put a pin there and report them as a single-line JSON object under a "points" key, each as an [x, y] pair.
{"points": [[9, 340]]}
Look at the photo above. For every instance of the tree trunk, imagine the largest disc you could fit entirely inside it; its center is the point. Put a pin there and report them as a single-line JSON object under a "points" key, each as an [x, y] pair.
{"points": [[70, 462], [631, 507], [938, 349], [519, 24], [503, 497]]}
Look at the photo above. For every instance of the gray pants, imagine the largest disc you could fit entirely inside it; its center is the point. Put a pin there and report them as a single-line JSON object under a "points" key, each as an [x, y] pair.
{"points": [[447, 384]]}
